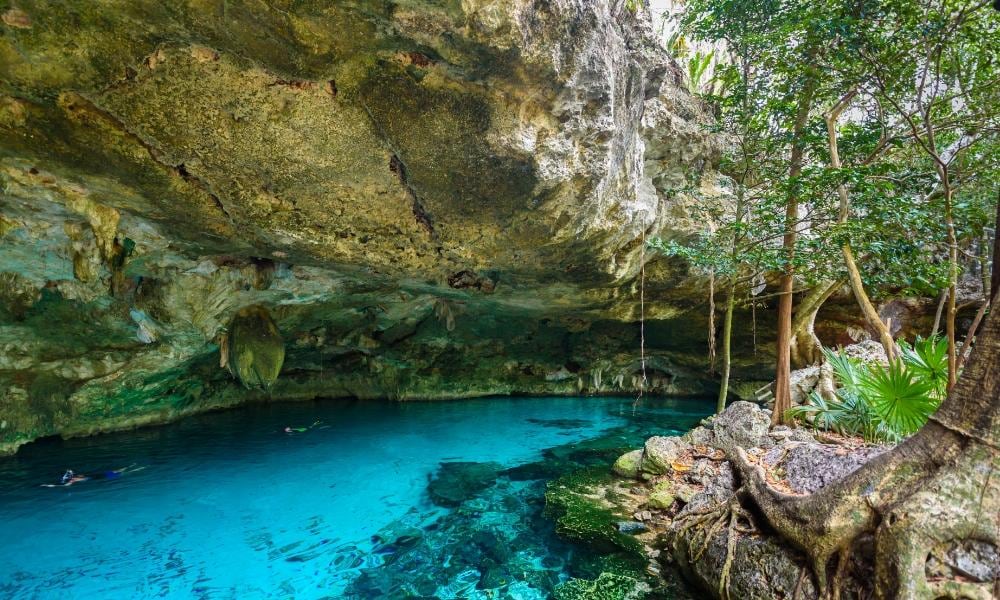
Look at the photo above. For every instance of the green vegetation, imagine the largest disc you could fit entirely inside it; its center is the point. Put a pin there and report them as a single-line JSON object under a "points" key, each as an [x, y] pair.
{"points": [[864, 153], [581, 514], [607, 586], [881, 403]]}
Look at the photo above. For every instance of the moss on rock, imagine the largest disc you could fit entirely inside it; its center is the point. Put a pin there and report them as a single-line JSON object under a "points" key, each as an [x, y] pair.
{"points": [[608, 586], [628, 464], [577, 504]]}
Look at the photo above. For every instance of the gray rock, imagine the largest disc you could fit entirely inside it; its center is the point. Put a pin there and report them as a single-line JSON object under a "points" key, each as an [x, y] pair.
{"points": [[716, 490], [867, 351], [699, 436], [743, 425], [811, 466], [800, 434], [975, 559], [802, 382], [659, 452], [762, 569], [632, 527]]}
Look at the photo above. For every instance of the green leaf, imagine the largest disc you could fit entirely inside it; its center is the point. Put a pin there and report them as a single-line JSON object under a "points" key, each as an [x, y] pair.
{"points": [[900, 400]]}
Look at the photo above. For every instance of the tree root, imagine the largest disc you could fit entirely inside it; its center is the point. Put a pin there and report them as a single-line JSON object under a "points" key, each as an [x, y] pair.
{"points": [[908, 501], [706, 523], [961, 590], [935, 489]]}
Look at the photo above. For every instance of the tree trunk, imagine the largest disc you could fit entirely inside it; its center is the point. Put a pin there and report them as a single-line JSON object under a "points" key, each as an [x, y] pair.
{"points": [[971, 335], [853, 273], [940, 309], [727, 335], [995, 276], [806, 349], [984, 265], [952, 311], [867, 308], [711, 321], [783, 369], [938, 487]]}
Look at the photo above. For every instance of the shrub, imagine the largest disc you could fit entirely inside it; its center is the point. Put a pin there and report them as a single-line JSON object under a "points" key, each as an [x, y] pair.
{"points": [[881, 403]]}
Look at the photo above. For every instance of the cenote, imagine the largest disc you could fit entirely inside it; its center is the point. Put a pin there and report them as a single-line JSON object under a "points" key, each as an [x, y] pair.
{"points": [[369, 500]]}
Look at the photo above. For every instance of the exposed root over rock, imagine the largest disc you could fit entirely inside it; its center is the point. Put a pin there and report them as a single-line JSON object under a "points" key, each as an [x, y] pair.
{"points": [[868, 530]]}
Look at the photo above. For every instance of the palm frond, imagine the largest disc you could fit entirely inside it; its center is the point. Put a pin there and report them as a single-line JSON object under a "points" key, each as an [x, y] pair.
{"points": [[848, 371], [927, 358], [899, 399]]}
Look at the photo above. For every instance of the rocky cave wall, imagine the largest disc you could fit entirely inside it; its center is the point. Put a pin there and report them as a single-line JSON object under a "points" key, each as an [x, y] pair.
{"points": [[432, 198]]}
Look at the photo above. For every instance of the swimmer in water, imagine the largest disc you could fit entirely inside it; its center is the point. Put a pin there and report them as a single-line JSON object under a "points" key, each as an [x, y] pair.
{"points": [[293, 430], [71, 477]]}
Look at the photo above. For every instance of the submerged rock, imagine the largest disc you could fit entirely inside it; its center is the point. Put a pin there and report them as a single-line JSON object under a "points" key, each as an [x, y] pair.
{"points": [[607, 586], [456, 482], [577, 504]]}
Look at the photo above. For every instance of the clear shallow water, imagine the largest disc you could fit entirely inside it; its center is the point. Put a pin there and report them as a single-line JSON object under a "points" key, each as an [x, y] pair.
{"points": [[227, 505]]}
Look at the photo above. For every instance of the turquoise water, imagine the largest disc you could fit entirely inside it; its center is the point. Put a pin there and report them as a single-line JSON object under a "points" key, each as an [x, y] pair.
{"points": [[228, 505]]}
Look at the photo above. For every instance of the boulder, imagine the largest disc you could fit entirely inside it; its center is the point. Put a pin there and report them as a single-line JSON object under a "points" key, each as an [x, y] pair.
{"points": [[762, 569], [809, 467], [803, 382], [659, 452], [716, 490], [744, 425], [628, 464], [869, 351]]}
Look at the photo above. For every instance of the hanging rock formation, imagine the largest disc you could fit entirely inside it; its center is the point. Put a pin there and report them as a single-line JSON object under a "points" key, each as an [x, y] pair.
{"points": [[431, 199]]}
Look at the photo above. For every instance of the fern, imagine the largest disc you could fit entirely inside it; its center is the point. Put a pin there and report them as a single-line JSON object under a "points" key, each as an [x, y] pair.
{"points": [[698, 65]]}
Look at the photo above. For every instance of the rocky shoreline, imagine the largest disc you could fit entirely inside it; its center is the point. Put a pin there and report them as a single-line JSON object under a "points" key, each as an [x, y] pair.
{"points": [[680, 501]]}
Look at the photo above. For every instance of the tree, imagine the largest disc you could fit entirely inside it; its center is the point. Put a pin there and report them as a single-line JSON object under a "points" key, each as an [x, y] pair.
{"points": [[938, 486], [929, 95], [933, 74]]}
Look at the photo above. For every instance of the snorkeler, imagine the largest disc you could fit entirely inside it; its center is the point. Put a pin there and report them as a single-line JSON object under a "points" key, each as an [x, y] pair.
{"points": [[293, 430], [71, 477]]}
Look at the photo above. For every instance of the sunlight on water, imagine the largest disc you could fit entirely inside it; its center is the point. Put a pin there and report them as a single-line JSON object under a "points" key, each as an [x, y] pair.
{"points": [[229, 505]]}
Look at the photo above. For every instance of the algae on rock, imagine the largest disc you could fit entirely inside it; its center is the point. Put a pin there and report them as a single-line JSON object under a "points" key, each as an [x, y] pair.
{"points": [[576, 502]]}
